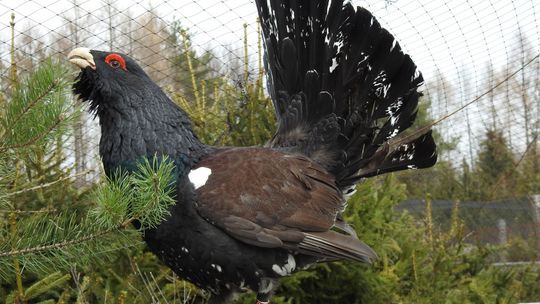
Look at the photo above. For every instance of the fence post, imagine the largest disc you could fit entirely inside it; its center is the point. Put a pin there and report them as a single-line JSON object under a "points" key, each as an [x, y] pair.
{"points": [[503, 237], [535, 205], [503, 231]]}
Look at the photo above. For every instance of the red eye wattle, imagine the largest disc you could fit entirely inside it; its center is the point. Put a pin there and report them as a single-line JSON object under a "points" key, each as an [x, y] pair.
{"points": [[116, 61]]}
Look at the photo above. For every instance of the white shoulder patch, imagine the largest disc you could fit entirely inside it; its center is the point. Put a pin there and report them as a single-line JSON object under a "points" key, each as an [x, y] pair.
{"points": [[199, 176]]}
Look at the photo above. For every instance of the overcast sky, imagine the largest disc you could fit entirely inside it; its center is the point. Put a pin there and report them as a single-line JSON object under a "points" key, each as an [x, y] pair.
{"points": [[458, 37], [437, 34]]}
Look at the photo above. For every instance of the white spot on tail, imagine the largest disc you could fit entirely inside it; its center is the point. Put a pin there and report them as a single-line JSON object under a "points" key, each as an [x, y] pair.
{"points": [[286, 269], [334, 65], [199, 176], [216, 267]]}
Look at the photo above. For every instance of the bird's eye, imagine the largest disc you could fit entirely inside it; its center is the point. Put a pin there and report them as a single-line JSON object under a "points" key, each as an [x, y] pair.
{"points": [[116, 61]]}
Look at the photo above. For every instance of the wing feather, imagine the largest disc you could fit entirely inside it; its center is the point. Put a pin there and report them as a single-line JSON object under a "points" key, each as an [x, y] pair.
{"points": [[270, 199]]}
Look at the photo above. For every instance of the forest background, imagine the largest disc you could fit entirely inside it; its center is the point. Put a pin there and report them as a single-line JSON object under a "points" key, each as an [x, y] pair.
{"points": [[465, 231]]}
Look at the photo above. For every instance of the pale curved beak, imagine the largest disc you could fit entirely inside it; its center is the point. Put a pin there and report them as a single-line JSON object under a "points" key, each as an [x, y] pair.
{"points": [[82, 58]]}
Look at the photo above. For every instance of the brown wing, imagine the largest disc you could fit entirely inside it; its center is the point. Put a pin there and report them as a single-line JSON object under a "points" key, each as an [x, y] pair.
{"points": [[271, 199]]}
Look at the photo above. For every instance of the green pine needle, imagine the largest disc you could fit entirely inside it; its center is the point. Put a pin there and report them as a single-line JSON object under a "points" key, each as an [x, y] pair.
{"points": [[153, 185], [37, 110]]}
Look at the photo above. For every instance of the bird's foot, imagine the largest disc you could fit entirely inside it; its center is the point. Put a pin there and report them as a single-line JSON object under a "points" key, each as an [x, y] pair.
{"points": [[266, 288]]}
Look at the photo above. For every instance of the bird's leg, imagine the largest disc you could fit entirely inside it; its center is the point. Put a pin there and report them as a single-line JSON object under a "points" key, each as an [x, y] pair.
{"points": [[266, 289], [263, 298]]}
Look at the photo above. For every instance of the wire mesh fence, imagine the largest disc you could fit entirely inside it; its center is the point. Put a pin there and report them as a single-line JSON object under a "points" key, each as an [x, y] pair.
{"points": [[480, 60], [498, 222]]}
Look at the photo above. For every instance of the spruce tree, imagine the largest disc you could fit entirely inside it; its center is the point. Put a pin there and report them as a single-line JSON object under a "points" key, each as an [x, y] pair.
{"points": [[495, 167]]}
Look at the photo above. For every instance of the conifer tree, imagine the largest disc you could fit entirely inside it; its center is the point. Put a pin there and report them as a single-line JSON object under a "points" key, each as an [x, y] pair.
{"points": [[43, 229], [495, 166]]}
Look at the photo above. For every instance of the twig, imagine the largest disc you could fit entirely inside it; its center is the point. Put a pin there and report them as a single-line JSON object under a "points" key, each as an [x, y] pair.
{"points": [[28, 211], [65, 243], [36, 138], [158, 288], [16, 263], [185, 40], [53, 85], [44, 185], [13, 67], [145, 282]]}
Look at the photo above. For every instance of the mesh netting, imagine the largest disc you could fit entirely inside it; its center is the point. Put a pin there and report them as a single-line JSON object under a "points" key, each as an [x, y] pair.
{"points": [[479, 59]]}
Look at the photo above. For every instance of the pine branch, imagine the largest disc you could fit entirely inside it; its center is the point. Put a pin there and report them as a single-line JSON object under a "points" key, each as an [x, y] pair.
{"points": [[54, 85], [64, 244], [154, 184], [16, 264], [43, 243], [29, 211], [35, 139], [38, 106], [38, 187]]}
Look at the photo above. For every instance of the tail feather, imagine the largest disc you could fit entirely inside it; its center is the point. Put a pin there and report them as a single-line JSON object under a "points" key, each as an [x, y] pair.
{"points": [[333, 245], [417, 154], [342, 88]]}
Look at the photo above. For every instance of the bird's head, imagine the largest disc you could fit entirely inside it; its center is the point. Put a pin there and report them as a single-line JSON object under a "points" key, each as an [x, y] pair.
{"points": [[107, 78], [131, 108]]}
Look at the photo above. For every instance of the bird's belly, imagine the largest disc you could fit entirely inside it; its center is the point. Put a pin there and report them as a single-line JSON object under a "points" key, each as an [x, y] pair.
{"points": [[199, 269], [204, 255]]}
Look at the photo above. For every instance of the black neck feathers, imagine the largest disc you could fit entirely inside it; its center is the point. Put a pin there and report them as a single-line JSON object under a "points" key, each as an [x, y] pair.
{"points": [[137, 122]]}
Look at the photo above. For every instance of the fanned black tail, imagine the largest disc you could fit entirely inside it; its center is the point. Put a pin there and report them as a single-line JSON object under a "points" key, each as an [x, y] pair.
{"points": [[342, 89]]}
